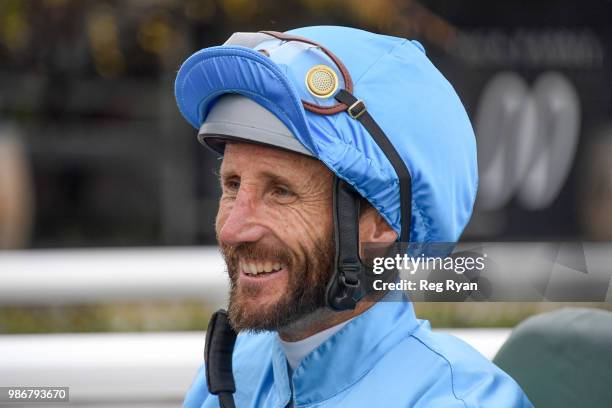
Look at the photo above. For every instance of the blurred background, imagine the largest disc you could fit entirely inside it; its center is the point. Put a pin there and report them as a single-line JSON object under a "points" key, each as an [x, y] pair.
{"points": [[107, 200]]}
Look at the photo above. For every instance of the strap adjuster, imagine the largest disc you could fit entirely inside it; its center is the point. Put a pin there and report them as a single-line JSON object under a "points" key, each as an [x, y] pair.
{"points": [[349, 273], [357, 109]]}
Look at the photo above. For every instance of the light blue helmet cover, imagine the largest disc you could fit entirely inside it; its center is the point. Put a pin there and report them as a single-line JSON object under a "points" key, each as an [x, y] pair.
{"points": [[412, 102]]}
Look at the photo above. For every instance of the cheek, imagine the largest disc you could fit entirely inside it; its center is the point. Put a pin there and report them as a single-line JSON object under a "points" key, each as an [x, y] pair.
{"points": [[302, 226]]}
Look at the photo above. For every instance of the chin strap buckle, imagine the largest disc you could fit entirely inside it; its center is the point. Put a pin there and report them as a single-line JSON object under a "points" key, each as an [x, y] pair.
{"points": [[350, 289], [349, 273]]}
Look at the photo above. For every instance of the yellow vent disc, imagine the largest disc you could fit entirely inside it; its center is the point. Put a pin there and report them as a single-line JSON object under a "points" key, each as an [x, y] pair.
{"points": [[321, 81]]}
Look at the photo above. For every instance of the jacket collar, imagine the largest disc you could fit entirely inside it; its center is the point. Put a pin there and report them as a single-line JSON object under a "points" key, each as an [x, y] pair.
{"points": [[349, 354]]}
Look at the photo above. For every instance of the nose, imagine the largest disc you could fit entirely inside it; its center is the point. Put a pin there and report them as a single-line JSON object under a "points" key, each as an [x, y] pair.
{"points": [[242, 223]]}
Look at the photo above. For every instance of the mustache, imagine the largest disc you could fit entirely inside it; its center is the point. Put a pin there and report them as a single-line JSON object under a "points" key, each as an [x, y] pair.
{"points": [[255, 252]]}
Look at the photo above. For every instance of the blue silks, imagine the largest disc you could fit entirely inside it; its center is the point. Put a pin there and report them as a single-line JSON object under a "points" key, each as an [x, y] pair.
{"points": [[408, 97], [384, 357]]}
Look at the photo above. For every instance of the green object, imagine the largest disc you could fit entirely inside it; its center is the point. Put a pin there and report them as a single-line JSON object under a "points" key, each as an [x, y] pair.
{"points": [[562, 359]]}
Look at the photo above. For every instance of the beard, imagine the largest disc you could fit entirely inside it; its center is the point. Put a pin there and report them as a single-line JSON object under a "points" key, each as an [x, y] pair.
{"points": [[308, 275]]}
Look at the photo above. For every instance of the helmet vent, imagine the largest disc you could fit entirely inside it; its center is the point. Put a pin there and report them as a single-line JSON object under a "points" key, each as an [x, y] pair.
{"points": [[321, 81]]}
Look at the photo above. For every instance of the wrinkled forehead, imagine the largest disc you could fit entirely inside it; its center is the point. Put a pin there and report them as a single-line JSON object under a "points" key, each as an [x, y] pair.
{"points": [[244, 157]]}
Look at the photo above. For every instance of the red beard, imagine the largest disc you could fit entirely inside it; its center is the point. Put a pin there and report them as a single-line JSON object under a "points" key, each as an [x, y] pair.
{"points": [[304, 293]]}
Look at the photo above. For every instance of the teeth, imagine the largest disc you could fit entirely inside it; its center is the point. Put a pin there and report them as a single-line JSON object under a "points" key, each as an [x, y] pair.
{"points": [[257, 267]]}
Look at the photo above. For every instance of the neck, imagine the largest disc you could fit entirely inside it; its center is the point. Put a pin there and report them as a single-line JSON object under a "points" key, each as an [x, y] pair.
{"points": [[320, 320]]}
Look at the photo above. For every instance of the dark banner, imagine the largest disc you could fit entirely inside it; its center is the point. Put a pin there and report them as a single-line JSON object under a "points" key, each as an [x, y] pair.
{"points": [[501, 272]]}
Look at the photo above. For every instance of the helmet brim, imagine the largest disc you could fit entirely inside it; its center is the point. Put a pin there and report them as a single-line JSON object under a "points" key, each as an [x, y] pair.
{"points": [[213, 72], [236, 117]]}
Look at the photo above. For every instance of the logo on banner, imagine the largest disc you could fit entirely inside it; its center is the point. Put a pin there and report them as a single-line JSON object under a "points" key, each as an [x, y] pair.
{"points": [[527, 139]]}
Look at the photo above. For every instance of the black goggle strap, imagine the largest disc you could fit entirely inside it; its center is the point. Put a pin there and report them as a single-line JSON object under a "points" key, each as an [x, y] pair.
{"points": [[348, 285], [220, 340]]}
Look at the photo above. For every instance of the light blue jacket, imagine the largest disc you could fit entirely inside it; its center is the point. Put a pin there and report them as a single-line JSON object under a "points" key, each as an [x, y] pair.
{"points": [[385, 357]]}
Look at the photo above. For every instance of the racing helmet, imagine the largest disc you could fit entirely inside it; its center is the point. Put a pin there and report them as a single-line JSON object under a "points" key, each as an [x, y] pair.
{"points": [[371, 107]]}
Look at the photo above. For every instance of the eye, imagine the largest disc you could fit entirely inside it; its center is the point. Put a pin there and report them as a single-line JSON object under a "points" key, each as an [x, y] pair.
{"points": [[283, 192], [231, 185]]}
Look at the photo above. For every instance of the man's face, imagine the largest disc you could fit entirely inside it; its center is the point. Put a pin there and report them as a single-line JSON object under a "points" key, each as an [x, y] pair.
{"points": [[274, 227]]}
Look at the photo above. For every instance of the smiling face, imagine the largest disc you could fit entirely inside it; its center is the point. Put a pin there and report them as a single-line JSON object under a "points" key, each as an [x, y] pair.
{"points": [[274, 227]]}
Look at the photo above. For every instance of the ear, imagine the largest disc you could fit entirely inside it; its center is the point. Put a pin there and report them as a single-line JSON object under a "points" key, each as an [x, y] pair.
{"points": [[373, 227]]}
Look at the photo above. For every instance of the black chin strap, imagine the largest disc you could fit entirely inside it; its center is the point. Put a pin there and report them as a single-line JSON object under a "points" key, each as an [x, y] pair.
{"points": [[347, 285], [220, 340]]}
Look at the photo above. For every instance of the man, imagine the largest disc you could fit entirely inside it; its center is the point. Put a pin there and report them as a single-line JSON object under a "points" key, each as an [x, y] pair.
{"points": [[331, 137]]}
